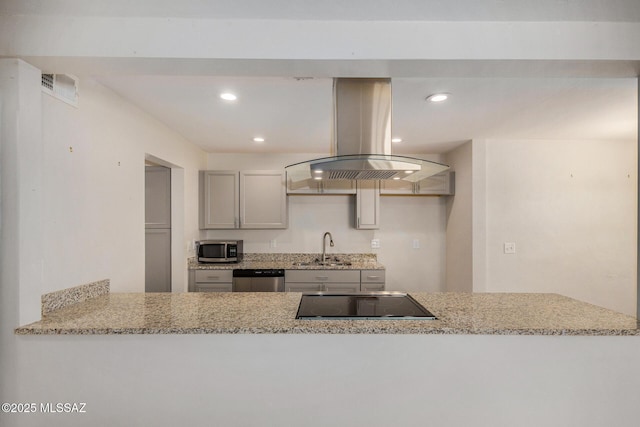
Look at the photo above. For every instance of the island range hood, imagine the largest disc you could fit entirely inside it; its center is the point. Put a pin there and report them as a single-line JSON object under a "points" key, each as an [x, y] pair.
{"points": [[362, 139]]}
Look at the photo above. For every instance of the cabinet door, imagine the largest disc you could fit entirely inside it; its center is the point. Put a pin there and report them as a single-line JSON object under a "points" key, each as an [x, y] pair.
{"points": [[341, 287], [157, 197], [157, 260], [219, 191], [441, 184], [368, 205], [372, 280], [263, 199]]}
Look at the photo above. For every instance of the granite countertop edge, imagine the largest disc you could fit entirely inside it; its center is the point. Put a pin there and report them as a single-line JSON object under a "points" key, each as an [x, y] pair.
{"points": [[293, 261], [236, 313]]}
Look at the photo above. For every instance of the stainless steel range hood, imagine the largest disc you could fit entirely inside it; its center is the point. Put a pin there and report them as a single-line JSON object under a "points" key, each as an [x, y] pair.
{"points": [[362, 138]]}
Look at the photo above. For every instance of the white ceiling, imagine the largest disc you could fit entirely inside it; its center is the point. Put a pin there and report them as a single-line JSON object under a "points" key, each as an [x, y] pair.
{"points": [[295, 116], [341, 10], [489, 99]]}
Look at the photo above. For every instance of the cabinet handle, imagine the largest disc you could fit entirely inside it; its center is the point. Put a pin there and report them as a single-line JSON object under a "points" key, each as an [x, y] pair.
{"points": [[373, 277], [358, 222], [213, 277], [322, 277]]}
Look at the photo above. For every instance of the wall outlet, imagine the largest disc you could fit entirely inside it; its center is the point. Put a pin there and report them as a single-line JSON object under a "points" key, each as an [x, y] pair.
{"points": [[416, 244], [273, 243], [375, 243], [509, 248]]}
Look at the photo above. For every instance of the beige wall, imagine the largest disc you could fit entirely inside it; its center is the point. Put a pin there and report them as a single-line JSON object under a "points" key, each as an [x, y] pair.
{"points": [[459, 254], [94, 190], [570, 208]]}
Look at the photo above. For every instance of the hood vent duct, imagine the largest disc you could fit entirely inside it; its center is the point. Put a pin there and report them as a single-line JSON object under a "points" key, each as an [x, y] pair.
{"points": [[362, 139]]}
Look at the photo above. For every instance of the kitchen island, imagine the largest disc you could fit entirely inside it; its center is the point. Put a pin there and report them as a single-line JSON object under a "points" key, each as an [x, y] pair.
{"points": [[274, 313], [243, 360]]}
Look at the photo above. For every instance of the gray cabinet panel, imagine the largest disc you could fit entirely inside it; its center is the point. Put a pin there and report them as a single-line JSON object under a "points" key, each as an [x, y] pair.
{"points": [[214, 276], [210, 280], [316, 276], [368, 205], [219, 203], [242, 199], [157, 260], [263, 199], [157, 200], [213, 287]]}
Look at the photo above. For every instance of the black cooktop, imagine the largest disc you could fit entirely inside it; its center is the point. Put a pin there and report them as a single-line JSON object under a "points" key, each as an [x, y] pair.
{"points": [[362, 305]]}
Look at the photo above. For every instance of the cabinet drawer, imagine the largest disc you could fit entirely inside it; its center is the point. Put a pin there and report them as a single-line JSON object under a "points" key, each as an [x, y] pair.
{"points": [[372, 287], [372, 276], [212, 276], [213, 287], [302, 287], [315, 276]]}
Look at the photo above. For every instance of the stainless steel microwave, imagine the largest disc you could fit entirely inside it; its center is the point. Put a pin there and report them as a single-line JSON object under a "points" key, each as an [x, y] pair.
{"points": [[219, 251]]}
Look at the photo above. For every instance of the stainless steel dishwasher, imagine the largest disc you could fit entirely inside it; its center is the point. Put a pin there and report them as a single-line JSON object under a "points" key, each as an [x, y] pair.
{"points": [[258, 280]]}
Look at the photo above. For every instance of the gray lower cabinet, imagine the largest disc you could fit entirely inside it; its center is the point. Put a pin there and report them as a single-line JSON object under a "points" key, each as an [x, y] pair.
{"points": [[372, 280], [330, 280], [210, 280]]}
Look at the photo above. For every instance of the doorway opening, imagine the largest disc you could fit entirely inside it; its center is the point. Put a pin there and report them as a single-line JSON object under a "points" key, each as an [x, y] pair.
{"points": [[165, 269]]}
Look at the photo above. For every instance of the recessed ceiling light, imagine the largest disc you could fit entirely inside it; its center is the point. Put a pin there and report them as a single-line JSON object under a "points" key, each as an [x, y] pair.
{"points": [[396, 177], [437, 97], [228, 96], [396, 139], [317, 171], [408, 172], [317, 178], [258, 139]]}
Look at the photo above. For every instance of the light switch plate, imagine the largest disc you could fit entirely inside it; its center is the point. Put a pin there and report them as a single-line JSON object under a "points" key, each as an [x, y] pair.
{"points": [[509, 248], [416, 244]]}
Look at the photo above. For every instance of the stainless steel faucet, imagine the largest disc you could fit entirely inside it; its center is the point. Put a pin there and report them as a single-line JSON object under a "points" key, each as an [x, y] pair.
{"points": [[324, 245]]}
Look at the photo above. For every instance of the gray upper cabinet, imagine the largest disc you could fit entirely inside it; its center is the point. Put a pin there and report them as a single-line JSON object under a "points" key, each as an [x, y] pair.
{"points": [[367, 205], [242, 199], [442, 184], [219, 199], [263, 199]]}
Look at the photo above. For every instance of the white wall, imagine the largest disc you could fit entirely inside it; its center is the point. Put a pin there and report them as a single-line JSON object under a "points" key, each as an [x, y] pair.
{"points": [[94, 189], [570, 208], [293, 380], [402, 220], [459, 255]]}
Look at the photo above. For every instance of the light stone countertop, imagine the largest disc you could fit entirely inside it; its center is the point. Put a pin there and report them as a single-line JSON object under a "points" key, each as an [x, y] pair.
{"points": [[274, 313], [291, 261]]}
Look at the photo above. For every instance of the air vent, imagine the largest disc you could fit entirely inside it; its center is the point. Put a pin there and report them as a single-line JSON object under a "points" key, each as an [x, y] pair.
{"points": [[361, 175], [61, 86]]}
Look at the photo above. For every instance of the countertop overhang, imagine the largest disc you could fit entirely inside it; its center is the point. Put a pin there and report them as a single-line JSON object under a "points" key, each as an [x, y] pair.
{"points": [[274, 313]]}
